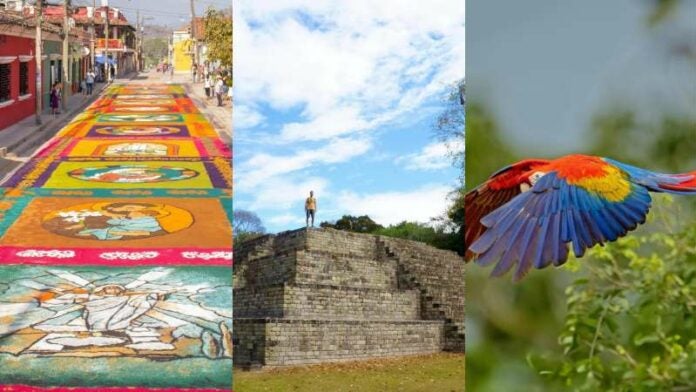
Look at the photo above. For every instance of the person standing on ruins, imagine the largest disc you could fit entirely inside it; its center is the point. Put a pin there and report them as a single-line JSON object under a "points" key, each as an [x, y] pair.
{"points": [[310, 207]]}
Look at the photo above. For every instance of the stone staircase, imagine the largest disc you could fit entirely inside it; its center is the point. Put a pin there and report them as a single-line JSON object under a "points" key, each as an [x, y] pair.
{"points": [[441, 284]]}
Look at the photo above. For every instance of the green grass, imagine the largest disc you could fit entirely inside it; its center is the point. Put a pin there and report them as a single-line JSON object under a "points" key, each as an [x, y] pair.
{"points": [[437, 373]]}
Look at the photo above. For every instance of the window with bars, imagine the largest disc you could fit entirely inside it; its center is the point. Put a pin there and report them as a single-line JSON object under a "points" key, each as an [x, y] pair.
{"points": [[5, 82], [23, 78]]}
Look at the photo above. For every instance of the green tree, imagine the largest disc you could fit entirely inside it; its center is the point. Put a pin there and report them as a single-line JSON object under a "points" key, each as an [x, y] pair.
{"points": [[356, 224], [246, 225], [449, 125], [437, 236], [488, 151], [455, 218], [661, 10], [218, 36], [450, 128], [666, 144], [630, 322], [154, 50]]}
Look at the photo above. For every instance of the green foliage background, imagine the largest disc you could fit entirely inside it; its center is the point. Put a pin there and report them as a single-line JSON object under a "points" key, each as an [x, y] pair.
{"points": [[630, 322], [155, 50]]}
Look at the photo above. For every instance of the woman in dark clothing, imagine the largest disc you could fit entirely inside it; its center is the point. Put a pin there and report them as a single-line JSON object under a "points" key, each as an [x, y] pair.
{"points": [[55, 98]]}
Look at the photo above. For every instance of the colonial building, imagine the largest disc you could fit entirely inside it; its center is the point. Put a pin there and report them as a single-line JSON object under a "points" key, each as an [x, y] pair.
{"points": [[121, 44], [184, 50], [181, 51], [122, 37], [18, 76]]}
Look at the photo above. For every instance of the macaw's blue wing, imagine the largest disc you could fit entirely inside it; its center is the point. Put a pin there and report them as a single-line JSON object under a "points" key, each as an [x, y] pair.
{"points": [[536, 227]]}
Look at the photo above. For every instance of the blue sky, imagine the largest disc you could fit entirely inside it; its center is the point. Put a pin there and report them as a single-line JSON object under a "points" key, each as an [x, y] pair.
{"points": [[340, 98], [173, 13]]}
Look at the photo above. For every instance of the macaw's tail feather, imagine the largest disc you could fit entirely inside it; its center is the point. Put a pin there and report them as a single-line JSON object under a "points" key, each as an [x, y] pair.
{"points": [[681, 184], [686, 183]]}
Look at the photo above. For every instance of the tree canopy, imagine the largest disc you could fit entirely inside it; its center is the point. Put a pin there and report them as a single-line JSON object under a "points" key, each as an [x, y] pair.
{"points": [[630, 322], [246, 224], [434, 234], [356, 224], [450, 128], [154, 50], [218, 36]]}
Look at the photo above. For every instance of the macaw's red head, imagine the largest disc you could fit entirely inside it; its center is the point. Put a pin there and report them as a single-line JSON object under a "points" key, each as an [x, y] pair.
{"points": [[516, 174]]}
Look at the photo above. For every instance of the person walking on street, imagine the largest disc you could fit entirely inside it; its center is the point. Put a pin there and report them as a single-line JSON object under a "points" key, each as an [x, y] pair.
{"points": [[219, 90], [201, 72], [90, 81], [310, 207], [54, 98], [83, 86], [207, 86]]}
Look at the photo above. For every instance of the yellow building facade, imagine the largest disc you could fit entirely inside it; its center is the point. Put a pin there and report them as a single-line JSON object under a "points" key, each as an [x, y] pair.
{"points": [[181, 51]]}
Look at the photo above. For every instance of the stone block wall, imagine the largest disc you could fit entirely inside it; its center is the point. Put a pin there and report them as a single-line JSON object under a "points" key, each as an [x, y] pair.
{"points": [[347, 303], [295, 342], [265, 271], [342, 242], [259, 302], [249, 339], [343, 269], [327, 302], [308, 296]]}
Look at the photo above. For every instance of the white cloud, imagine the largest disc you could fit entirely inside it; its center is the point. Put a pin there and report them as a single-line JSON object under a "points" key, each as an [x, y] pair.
{"points": [[287, 219], [349, 66], [333, 123], [387, 208], [281, 193], [432, 157], [246, 117], [262, 167]]}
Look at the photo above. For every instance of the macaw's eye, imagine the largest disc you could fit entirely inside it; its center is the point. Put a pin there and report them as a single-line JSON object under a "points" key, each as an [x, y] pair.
{"points": [[535, 177]]}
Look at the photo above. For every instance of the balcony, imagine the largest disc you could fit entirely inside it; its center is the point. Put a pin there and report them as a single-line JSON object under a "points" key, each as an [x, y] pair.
{"points": [[115, 45]]}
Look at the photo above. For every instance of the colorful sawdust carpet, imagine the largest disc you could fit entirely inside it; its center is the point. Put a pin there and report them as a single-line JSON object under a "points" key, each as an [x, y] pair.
{"points": [[116, 251]]}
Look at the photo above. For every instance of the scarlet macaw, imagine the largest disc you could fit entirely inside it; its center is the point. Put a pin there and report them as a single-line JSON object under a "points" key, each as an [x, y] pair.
{"points": [[528, 213]]}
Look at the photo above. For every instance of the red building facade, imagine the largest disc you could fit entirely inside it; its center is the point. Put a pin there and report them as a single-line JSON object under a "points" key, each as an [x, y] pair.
{"points": [[17, 79]]}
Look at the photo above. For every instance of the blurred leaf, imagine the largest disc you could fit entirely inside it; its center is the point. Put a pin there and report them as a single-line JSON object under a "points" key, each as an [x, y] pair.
{"points": [[662, 9]]}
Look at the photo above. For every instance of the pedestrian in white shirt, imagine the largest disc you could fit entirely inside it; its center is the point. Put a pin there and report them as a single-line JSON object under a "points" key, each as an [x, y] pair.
{"points": [[207, 85], [219, 89], [89, 79]]}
